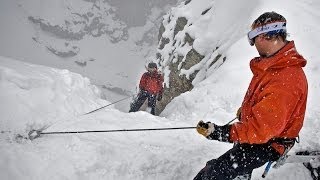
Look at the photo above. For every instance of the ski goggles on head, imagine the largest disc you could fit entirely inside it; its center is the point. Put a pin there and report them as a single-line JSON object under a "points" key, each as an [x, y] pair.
{"points": [[270, 30]]}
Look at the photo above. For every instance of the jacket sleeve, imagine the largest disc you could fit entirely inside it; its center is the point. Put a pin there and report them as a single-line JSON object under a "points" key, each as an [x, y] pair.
{"points": [[270, 114], [143, 82]]}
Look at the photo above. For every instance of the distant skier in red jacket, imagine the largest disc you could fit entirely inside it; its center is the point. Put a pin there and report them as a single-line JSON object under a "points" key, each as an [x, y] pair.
{"points": [[150, 87]]}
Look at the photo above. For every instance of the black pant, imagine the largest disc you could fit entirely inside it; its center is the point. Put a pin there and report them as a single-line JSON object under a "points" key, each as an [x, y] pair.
{"points": [[142, 96], [240, 160]]}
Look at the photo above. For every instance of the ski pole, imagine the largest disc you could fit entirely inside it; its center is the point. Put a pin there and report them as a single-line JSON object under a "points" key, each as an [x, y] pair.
{"points": [[36, 133], [108, 105], [279, 162], [266, 170]]}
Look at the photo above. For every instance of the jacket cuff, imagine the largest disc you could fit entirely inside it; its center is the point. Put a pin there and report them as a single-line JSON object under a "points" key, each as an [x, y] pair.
{"points": [[220, 133]]}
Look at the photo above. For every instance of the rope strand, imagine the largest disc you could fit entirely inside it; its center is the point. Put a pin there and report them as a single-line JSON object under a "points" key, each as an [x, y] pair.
{"points": [[108, 105], [117, 130]]}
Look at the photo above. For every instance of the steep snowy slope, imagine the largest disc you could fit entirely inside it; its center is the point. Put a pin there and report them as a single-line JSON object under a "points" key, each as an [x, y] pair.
{"points": [[108, 41], [36, 96]]}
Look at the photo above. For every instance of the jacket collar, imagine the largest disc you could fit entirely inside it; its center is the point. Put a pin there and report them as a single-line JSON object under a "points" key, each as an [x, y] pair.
{"points": [[285, 57], [152, 74]]}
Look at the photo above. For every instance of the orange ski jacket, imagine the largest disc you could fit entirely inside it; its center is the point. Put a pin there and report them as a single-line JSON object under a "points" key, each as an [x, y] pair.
{"points": [[275, 103]]}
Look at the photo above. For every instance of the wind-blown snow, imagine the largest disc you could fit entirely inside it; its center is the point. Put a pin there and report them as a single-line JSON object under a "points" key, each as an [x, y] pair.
{"points": [[33, 96]]}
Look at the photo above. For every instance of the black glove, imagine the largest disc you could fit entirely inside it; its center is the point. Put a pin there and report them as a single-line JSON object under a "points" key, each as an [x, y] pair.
{"points": [[159, 98]]}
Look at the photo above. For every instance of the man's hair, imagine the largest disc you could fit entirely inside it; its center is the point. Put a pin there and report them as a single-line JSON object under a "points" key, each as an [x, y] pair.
{"points": [[152, 65], [270, 17]]}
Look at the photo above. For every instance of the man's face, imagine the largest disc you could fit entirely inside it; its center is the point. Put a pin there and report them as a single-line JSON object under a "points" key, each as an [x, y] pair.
{"points": [[152, 69], [263, 44]]}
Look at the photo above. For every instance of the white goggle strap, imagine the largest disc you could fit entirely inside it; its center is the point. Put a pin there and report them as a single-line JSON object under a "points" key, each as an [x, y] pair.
{"points": [[266, 28]]}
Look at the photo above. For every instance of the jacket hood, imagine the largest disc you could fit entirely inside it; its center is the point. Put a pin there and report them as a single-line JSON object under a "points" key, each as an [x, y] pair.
{"points": [[285, 57]]}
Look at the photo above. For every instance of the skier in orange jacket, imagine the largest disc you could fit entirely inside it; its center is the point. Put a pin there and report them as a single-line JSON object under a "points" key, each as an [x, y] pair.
{"points": [[273, 109]]}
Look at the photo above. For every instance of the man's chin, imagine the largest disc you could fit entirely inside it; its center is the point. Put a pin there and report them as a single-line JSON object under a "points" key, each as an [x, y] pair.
{"points": [[263, 54]]}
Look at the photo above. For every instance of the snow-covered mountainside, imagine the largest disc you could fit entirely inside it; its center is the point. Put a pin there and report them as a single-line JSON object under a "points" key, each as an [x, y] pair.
{"points": [[196, 35], [225, 82], [108, 41], [34, 96], [37, 96], [193, 40]]}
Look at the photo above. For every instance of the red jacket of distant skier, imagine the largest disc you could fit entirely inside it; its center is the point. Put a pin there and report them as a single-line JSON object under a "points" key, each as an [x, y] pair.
{"points": [[151, 82]]}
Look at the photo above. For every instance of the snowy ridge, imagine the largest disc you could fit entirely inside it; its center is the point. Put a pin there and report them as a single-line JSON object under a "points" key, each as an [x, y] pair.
{"points": [[38, 96]]}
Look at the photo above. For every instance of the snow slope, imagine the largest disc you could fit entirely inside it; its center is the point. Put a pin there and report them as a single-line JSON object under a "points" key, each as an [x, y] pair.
{"points": [[108, 41], [38, 96], [52, 94]]}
